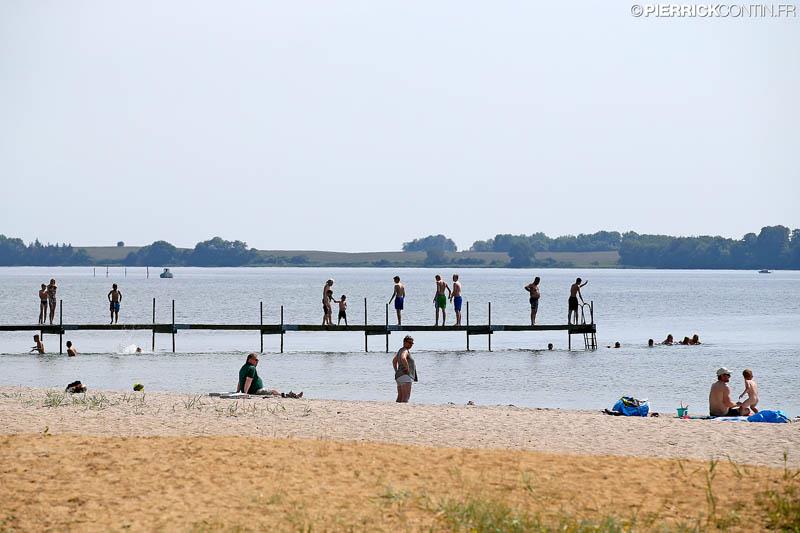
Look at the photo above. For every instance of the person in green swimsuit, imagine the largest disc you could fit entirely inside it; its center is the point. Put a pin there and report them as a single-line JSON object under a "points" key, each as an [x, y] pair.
{"points": [[440, 299]]}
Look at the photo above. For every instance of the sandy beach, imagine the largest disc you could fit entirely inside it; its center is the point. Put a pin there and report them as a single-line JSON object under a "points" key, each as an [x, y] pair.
{"points": [[112, 460], [109, 413]]}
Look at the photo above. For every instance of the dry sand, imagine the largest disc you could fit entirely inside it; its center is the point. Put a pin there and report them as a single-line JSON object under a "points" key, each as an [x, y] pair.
{"points": [[547, 430], [157, 461]]}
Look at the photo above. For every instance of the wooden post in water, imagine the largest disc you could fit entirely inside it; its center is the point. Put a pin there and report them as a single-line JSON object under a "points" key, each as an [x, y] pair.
{"points": [[467, 325], [60, 325], [126, 272], [490, 326], [148, 272], [366, 342], [154, 325], [591, 311], [106, 270], [173, 326], [281, 329], [94, 272], [261, 330]]}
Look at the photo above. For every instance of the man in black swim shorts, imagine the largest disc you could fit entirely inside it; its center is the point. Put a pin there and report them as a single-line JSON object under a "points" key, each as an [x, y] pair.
{"points": [[574, 293]]}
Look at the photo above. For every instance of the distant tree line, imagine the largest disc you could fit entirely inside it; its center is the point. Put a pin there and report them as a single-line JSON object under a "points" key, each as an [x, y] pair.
{"points": [[773, 247], [14, 252]]}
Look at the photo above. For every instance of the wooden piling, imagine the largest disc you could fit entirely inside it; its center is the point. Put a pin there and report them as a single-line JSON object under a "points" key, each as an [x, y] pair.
{"points": [[366, 337], [173, 326], [387, 328], [126, 272], [154, 325], [60, 326], [467, 325], [94, 272], [261, 322], [281, 329], [490, 326], [148, 272], [106, 270]]}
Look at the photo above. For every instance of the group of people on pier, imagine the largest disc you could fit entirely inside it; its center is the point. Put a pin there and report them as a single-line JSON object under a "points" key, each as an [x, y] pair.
{"points": [[442, 295]]}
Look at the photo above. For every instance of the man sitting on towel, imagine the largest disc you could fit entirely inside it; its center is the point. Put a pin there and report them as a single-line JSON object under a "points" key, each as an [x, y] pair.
{"points": [[250, 383], [719, 400]]}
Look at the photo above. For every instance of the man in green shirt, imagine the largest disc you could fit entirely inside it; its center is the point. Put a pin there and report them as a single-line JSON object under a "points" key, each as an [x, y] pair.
{"points": [[250, 382]]}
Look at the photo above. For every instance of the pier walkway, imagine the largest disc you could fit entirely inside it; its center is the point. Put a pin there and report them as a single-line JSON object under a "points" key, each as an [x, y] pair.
{"points": [[587, 329]]}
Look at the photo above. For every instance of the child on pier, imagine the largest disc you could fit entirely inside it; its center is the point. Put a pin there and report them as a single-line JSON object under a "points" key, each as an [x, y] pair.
{"points": [[342, 310]]}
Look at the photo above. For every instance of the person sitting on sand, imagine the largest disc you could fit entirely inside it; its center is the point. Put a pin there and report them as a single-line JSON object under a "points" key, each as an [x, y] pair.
{"points": [[719, 399], [71, 350], [669, 341], [751, 390], [250, 382], [39, 347]]}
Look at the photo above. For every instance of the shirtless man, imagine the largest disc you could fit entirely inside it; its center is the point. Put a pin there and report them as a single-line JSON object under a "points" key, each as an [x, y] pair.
{"points": [[71, 350], [114, 300], [439, 299], [327, 290], [719, 399], [574, 293], [533, 290], [399, 296], [51, 299], [456, 298]]}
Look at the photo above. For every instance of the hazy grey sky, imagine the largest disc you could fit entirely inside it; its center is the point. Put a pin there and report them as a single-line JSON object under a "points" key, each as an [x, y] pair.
{"points": [[347, 125]]}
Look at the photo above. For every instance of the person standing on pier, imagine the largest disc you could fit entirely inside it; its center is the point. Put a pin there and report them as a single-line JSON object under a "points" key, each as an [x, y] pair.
{"points": [[327, 292], [51, 299], [456, 298], [405, 370], [440, 300], [43, 304], [533, 289], [398, 296], [574, 293], [114, 301]]}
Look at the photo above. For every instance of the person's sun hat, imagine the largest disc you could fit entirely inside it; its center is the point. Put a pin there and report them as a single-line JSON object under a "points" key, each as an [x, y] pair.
{"points": [[722, 371]]}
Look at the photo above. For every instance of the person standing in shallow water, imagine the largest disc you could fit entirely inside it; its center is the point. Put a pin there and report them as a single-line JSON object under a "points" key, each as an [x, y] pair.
{"points": [[405, 370]]}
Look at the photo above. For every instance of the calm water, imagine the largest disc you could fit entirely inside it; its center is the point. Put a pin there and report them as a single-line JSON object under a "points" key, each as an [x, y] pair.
{"points": [[745, 319]]}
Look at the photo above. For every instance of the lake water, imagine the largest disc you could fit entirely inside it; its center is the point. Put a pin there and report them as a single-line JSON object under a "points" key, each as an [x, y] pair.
{"points": [[744, 319]]}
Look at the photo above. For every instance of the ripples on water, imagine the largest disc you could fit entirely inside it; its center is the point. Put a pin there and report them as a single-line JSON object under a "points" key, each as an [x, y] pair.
{"points": [[744, 319]]}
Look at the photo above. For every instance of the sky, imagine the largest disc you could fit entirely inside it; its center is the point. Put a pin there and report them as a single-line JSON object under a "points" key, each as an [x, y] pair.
{"points": [[360, 125]]}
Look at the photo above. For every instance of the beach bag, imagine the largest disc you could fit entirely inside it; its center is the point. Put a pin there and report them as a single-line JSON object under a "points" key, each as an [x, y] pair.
{"points": [[773, 417], [630, 406]]}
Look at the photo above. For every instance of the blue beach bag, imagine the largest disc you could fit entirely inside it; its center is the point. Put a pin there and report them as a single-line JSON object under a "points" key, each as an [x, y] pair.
{"points": [[773, 417], [630, 406]]}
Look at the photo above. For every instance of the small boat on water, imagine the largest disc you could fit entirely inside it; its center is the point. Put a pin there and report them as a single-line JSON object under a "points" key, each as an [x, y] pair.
{"points": [[165, 274], [764, 271]]}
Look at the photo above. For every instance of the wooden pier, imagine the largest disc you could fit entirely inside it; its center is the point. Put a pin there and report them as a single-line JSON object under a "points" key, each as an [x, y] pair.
{"points": [[587, 329]]}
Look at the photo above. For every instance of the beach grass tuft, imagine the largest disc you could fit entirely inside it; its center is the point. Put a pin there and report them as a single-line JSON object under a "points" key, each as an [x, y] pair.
{"points": [[781, 505]]}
